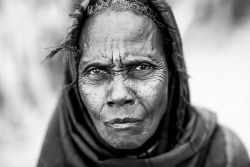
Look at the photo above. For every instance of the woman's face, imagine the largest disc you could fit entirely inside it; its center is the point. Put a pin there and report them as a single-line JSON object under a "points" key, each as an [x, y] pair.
{"points": [[123, 77]]}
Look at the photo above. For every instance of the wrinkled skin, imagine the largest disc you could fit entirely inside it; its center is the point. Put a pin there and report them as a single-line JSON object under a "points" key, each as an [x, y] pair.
{"points": [[123, 77]]}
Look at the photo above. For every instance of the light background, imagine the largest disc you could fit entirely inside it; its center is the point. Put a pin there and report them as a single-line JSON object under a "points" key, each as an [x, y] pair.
{"points": [[216, 39]]}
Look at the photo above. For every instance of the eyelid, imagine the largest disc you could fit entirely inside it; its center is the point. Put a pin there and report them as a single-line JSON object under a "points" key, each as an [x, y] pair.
{"points": [[86, 66], [141, 64], [88, 70]]}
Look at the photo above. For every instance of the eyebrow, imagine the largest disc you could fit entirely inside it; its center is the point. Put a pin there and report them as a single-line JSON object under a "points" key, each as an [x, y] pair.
{"points": [[125, 62], [139, 59]]}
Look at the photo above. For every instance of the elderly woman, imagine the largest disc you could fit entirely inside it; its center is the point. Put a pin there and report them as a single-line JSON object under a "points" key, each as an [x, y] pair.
{"points": [[126, 99]]}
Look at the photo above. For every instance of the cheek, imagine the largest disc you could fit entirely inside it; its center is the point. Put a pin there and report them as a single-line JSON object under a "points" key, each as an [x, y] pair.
{"points": [[153, 96], [93, 98]]}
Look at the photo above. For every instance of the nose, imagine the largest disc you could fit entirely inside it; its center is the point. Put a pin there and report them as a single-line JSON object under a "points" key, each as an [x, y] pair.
{"points": [[119, 94]]}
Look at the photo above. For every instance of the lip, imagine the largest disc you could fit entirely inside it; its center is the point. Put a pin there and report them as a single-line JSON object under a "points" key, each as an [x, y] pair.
{"points": [[123, 123]]}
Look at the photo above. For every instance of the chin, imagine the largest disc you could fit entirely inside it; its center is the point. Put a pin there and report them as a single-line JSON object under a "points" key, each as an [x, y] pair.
{"points": [[126, 145]]}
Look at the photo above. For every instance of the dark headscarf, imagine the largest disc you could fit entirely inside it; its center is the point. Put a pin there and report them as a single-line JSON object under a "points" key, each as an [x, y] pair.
{"points": [[72, 139]]}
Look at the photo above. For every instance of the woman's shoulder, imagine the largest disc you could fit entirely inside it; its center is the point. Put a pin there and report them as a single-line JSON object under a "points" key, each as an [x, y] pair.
{"points": [[235, 150], [227, 149]]}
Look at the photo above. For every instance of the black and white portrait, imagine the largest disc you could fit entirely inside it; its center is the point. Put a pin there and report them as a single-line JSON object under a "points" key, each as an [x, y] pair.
{"points": [[124, 83]]}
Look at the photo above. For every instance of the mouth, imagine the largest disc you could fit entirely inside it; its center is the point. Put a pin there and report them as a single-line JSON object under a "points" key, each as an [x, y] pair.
{"points": [[123, 123]]}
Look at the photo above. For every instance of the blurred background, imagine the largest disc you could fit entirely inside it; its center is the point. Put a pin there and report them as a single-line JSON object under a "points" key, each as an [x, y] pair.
{"points": [[216, 41]]}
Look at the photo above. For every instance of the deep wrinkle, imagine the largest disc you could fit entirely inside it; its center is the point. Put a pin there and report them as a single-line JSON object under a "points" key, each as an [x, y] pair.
{"points": [[123, 74]]}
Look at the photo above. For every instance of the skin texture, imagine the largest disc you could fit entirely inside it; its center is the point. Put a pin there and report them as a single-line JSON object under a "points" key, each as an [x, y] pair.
{"points": [[123, 77]]}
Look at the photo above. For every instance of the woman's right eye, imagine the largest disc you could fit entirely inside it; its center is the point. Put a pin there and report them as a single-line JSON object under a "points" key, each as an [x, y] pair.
{"points": [[97, 71], [96, 74]]}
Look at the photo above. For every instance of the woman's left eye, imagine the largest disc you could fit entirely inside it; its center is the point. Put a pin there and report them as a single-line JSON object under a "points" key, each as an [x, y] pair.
{"points": [[143, 67], [141, 70]]}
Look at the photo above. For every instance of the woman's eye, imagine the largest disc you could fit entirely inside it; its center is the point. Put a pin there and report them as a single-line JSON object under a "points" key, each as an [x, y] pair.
{"points": [[97, 74], [143, 67], [141, 70], [96, 71]]}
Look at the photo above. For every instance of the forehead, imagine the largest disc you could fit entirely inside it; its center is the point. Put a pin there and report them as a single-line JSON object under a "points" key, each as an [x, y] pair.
{"points": [[115, 26], [120, 36]]}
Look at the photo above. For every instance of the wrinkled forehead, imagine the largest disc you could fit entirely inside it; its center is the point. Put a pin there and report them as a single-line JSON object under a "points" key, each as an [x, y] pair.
{"points": [[125, 26]]}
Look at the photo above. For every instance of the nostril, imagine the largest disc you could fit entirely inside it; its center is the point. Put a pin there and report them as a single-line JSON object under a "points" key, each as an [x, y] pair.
{"points": [[110, 103], [130, 102]]}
